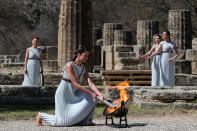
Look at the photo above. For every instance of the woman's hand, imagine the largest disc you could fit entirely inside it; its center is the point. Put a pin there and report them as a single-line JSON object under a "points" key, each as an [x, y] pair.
{"points": [[148, 57], [170, 59], [141, 56], [25, 71], [101, 96]]}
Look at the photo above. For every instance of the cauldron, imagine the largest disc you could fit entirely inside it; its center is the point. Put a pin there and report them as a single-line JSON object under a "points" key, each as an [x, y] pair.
{"points": [[120, 111]]}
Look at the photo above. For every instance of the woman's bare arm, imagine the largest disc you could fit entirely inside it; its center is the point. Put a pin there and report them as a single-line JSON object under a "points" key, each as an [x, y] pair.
{"points": [[148, 53], [156, 51], [92, 85], [26, 60], [177, 54]]}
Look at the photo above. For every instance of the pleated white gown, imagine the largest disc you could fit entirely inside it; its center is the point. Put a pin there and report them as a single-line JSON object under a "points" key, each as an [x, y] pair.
{"points": [[167, 67], [156, 68], [72, 106], [32, 78]]}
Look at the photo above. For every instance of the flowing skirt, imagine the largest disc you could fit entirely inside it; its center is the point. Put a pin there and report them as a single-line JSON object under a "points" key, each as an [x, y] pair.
{"points": [[156, 71], [32, 78], [72, 107], [167, 70]]}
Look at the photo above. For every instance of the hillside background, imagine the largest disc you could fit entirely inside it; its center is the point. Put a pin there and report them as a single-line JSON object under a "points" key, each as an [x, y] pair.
{"points": [[22, 19]]}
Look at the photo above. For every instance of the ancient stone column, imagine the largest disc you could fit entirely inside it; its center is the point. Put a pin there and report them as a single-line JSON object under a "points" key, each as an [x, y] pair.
{"points": [[97, 34], [180, 27], [108, 32], [75, 28], [145, 31]]}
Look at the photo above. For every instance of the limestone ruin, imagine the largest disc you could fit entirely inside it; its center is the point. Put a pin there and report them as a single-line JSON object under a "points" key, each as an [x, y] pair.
{"points": [[112, 48]]}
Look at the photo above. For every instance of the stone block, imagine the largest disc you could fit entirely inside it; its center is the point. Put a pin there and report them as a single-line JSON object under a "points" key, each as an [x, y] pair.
{"points": [[185, 105], [19, 91], [183, 66], [124, 54], [47, 91], [194, 67], [168, 94], [122, 37], [27, 100], [96, 78], [194, 43], [108, 32], [125, 48], [52, 79], [49, 52], [50, 64], [144, 104], [11, 79], [185, 80], [12, 65], [191, 55]]}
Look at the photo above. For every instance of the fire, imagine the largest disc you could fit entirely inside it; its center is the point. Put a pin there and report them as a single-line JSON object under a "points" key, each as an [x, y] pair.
{"points": [[124, 96]]}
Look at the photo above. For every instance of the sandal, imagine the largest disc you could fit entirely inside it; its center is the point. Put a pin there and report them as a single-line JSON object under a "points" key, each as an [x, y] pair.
{"points": [[38, 120]]}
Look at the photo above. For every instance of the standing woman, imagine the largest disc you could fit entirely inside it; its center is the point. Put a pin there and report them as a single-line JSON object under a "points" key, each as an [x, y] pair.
{"points": [[167, 64], [33, 64], [156, 61], [167, 58], [74, 104]]}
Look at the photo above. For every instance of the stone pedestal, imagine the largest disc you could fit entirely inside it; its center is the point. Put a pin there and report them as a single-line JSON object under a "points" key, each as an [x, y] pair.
{"points": [[180, 27]]}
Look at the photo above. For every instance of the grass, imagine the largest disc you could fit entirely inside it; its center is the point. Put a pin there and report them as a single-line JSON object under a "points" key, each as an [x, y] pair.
{"points": [[28, 112], [25, 112]]}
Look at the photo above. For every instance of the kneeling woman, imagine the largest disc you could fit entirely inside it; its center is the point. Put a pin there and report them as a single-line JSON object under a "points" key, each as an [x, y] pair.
{"points": [[74, 104]]}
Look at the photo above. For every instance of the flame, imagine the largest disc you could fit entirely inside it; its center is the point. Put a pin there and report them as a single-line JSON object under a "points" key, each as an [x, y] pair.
{"points": [[124, 96]]}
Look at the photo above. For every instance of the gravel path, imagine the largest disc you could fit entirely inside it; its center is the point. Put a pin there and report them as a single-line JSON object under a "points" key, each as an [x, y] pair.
{"points": [[162, 123]]}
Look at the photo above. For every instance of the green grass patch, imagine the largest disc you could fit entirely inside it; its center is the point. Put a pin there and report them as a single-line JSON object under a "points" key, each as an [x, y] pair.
{"points": [[20, 111], [27, 112]]}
